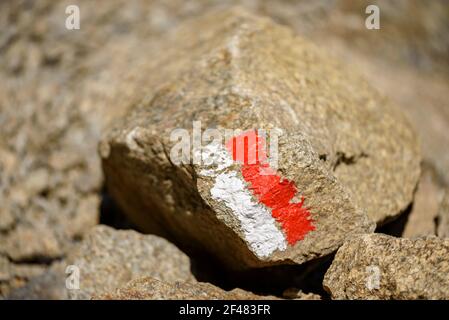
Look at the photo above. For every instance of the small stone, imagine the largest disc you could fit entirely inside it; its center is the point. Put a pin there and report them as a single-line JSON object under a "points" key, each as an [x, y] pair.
{"points": [[108, 259], [152, 289], [378, 266], [49, 285], [295, 293], [14, 275]]}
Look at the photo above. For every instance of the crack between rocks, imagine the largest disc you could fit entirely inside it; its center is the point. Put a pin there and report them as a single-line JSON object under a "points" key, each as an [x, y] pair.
{"points": [[36, 260]]}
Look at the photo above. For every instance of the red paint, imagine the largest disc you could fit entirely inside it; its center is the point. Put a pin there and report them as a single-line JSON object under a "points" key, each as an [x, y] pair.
{"points": [[269, 188]]}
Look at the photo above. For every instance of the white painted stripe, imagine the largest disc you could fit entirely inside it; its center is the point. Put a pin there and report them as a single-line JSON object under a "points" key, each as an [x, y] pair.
{"points": [[258, 226], [257, 223]]}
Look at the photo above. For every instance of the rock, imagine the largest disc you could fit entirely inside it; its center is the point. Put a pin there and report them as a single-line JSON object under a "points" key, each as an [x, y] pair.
{"points": [[443, 217], [4, 269], [49, 167], [58, 92], [377, 266], [295, 293], [411, 89], [347, 152], [409, 66], [60, 89], [151, 289], [107, 259], [41, 244], [421, 219], [88, 207], [15, 275], [50, 285]]}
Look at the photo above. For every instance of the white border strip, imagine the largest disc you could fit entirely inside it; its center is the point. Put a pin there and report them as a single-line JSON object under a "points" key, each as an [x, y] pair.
{"points": [[258, 226]]}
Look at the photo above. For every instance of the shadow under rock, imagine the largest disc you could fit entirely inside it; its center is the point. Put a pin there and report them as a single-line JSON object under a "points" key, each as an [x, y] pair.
{"points": [[264, 281], [396, 226], [111, 214]]}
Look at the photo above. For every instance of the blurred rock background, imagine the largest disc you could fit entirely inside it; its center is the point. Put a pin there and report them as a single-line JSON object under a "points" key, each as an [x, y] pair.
{"points": [[58, 88]]}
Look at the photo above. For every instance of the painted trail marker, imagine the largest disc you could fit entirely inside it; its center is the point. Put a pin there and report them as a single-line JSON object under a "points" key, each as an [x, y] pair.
{"points": [[259, 197]]}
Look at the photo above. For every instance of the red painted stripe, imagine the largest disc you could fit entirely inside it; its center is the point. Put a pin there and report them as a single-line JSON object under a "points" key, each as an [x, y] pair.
{"points": [[270, 188]]}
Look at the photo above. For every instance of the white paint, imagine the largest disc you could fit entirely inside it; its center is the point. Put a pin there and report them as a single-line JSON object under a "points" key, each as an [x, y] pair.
{"points": [[257, 223], [258, 226]]}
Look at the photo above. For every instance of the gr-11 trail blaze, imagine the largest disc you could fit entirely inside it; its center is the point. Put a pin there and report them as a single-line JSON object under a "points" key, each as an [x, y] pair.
{"points": [[269, 188]]}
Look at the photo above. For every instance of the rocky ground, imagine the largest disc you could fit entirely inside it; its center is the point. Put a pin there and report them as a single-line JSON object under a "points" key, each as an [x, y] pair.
{"points": [[85, 121]]}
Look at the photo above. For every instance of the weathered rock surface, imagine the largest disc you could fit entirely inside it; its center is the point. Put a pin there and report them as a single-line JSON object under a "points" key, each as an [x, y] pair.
{"points": [[152, 289], [66, 79], [106, 260], [56, 85], [49, 174], [297, 294], [13, 275], [422, 97], [349, 153], [443, 217], [59, 90], [377, 266], [49, 285]]}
